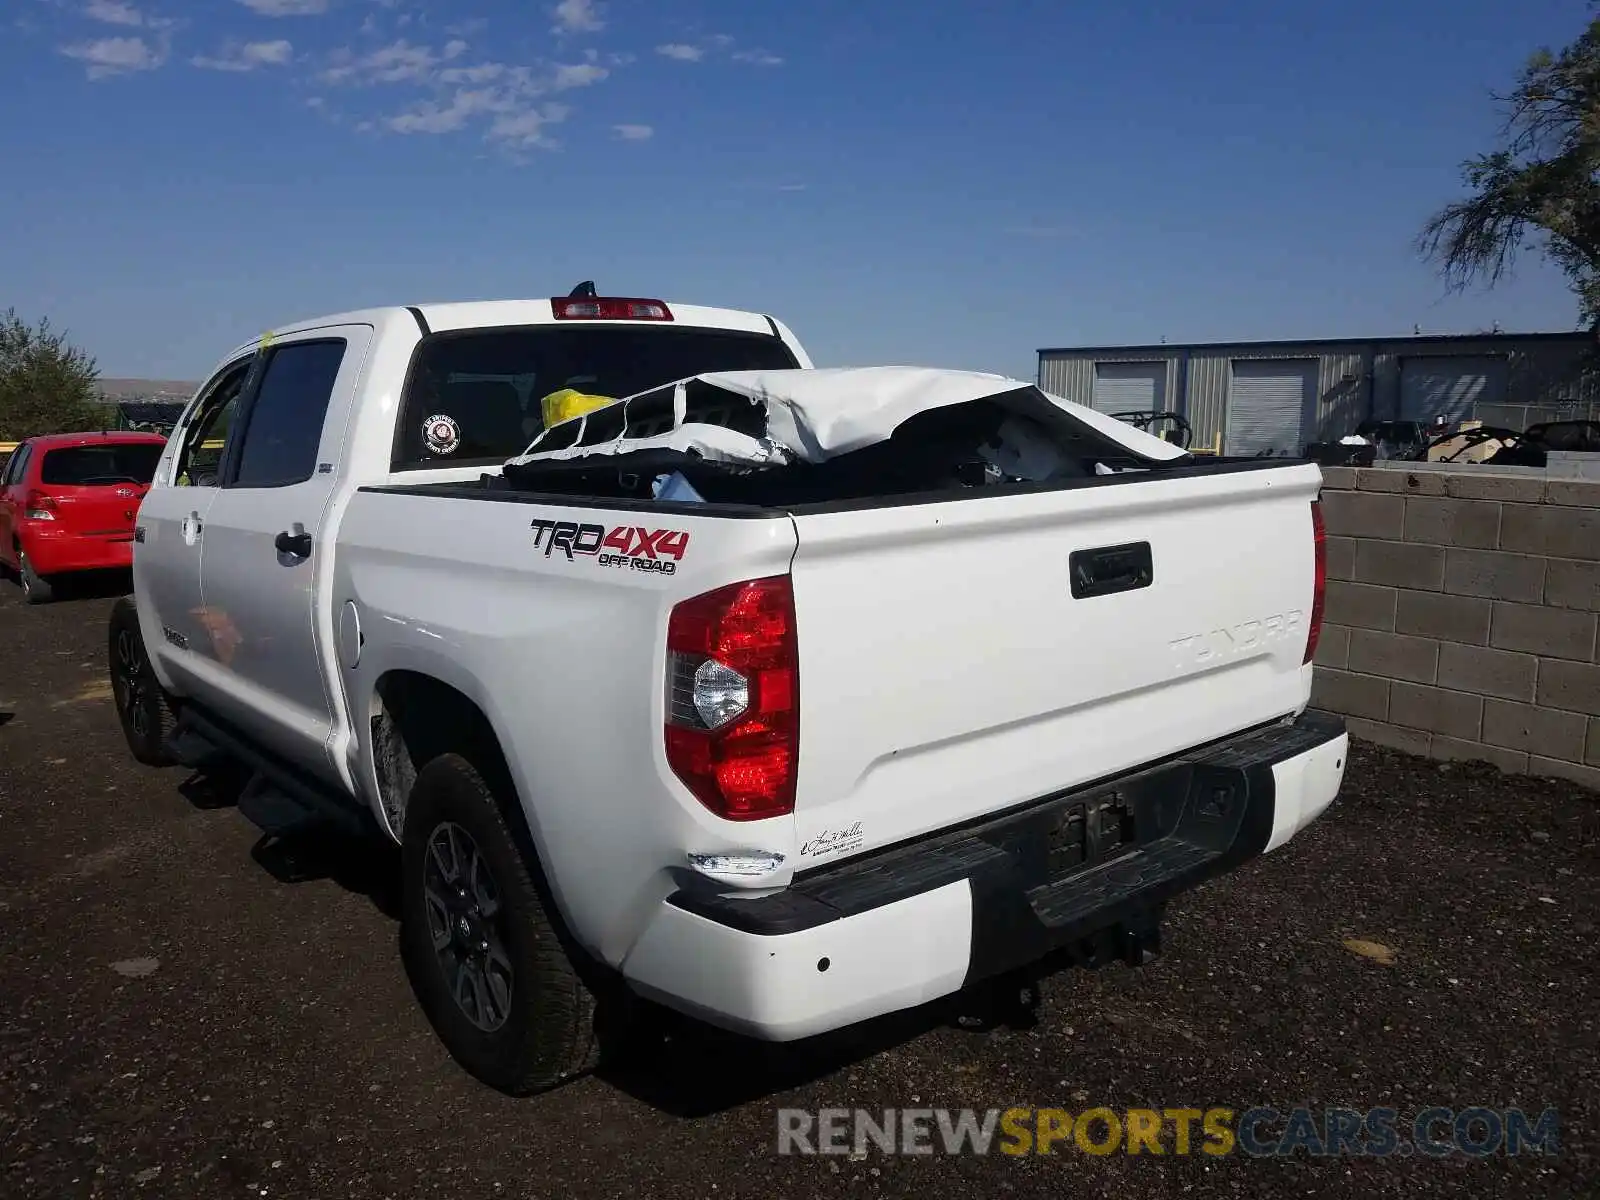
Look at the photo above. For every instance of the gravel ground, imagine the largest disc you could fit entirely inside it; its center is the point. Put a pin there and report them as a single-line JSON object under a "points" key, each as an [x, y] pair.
{"points": [[187, 1011]]}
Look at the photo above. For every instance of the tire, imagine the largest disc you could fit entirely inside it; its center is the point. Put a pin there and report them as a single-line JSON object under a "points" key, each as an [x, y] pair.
{"points": [[36, 588], [527, 1023], [144, 709]]}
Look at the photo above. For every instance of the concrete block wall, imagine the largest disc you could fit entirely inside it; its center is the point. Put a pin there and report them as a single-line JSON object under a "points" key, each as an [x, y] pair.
{"points": [[1463, 614]]}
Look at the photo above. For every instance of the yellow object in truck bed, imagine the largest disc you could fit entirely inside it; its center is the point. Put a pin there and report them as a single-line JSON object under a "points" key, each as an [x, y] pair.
{"points": [[568, 403]]}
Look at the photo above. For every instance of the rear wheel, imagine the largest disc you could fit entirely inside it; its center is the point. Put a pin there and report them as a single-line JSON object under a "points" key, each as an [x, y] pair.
{"points": [[143, 708], [491, 969], [36, 588]]}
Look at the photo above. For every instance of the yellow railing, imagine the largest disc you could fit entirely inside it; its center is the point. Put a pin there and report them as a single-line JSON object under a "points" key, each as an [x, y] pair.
{"points": [[8, 447]]}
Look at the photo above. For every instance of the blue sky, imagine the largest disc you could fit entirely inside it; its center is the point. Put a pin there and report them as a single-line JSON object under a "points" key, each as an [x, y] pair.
{"points": [[954, 184]]}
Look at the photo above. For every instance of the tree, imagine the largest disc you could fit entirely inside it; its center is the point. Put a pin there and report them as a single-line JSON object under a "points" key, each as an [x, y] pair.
{"points": [[1539, 189], [46, 384]]}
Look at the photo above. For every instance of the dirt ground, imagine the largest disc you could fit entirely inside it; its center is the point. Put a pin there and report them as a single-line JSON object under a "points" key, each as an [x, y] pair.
{"points": [[187, 1010]]}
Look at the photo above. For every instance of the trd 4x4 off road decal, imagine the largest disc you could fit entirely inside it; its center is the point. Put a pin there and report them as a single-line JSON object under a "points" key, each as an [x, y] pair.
{"points": [[631, 547]]}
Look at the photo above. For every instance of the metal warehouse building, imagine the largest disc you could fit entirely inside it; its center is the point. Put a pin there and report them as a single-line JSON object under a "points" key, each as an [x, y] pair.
{"points": [[1252, 397]]}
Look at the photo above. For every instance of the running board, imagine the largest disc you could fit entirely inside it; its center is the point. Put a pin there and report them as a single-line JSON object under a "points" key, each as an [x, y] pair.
{"points": [[278, 799]]}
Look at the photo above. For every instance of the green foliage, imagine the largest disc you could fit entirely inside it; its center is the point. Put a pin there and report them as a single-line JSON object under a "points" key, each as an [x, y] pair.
{"points": [[1540, 189], [46, 384]]}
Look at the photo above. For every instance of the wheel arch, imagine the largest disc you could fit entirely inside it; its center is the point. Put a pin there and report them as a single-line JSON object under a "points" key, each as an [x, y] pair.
{"points": [[414, 717]]}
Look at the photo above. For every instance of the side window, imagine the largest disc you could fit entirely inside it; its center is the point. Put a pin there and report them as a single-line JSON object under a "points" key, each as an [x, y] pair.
{"points": [[200, 457], [19, 463], [284, 424], [11, 473]]}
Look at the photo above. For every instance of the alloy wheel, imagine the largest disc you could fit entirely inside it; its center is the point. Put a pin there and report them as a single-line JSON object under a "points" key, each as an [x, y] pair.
{"points": [[465, 922], [129, 685]]}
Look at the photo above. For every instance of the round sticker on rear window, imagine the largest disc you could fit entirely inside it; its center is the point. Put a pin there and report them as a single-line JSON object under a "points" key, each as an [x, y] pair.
{"points": [[441, 434]]}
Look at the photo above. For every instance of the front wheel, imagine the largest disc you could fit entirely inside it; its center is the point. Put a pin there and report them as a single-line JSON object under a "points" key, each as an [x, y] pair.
{"points": [[493, 976], [143, 708]]}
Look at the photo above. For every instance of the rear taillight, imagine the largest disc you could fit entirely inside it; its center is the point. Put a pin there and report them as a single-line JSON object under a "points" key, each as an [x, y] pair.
{"points": [[1319, 590], [594, 308], [39, 507], [733, 698]]}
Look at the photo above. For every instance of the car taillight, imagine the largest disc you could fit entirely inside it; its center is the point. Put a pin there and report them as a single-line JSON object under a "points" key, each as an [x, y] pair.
{"points": [[595, 308], [39, 507], [1319, 587], [733, 698]]}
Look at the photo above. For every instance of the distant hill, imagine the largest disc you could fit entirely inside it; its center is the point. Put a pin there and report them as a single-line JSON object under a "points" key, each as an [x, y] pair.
{"points": [[147, 389]]}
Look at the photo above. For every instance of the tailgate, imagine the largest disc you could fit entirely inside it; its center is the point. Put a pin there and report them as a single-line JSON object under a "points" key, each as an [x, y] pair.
{"points": [[947, 669], [103, 510]]}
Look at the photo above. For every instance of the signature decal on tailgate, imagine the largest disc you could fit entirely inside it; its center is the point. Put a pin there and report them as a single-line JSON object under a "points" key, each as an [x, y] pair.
{"points": [[833, 841], [630, 547]]}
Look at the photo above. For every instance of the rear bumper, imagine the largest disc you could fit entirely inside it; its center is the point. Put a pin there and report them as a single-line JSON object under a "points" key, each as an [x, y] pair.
{"points": [[915, 923], [58, 553]]}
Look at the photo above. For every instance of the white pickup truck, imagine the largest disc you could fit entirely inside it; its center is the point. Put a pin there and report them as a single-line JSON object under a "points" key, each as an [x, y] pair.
{"points": [[779, 697]]}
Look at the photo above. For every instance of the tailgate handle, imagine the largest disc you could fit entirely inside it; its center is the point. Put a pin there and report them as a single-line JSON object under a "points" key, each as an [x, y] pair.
{"points": [[1106, 570]]}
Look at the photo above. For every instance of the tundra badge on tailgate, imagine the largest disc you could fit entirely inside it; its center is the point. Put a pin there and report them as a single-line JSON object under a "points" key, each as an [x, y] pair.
{"points": [[1214, 645], [631, 547]]}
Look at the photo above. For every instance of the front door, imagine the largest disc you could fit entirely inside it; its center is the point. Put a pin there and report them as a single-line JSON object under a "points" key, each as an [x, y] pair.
{"points": [[265, 560], [169, 530]]}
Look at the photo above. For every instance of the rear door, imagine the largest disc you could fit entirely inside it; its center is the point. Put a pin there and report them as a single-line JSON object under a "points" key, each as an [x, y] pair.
{"points": [[265, 563], [97, 487], [169, 529], [964, 657], [11, 500]]}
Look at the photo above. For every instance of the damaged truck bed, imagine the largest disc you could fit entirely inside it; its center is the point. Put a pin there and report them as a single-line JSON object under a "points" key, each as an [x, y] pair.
{"points": [[782, 438]]}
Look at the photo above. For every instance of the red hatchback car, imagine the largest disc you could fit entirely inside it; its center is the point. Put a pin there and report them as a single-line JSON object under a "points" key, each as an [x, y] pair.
{"points": [[68, 503]]}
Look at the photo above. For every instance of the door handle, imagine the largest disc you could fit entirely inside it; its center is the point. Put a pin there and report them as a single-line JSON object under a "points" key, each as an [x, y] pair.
{"points": [[1108, 570], [296, 544]]}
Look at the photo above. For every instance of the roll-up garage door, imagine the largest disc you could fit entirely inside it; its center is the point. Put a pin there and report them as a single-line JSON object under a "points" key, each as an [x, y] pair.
{"points": [[1267, 403], [1449, 386], [1129, 386]]}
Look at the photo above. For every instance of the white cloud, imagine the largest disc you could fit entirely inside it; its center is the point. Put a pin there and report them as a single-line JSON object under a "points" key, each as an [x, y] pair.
{"points": [[106, 57], [635, 133], [398, 62], [577, 75], [119, 12], [113, 12], [681, 51], [512, 105], [247, 57], [482, 73], [525, 130], [287, 8], [697, 51], [577, 16], [435, 117], [404, 62]]}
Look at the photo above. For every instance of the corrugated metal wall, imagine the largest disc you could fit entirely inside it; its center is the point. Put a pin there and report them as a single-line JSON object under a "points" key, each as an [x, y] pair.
{"points": [[1354, 380]]}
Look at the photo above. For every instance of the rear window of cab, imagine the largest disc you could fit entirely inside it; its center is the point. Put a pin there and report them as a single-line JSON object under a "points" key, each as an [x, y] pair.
{"points": [[475, 397]]}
